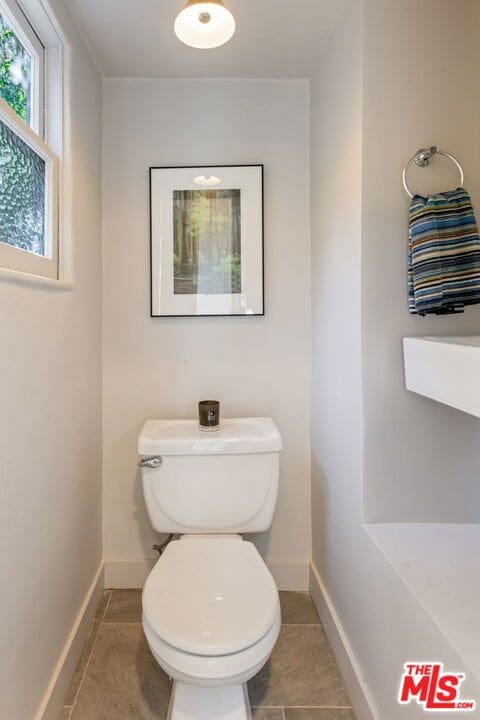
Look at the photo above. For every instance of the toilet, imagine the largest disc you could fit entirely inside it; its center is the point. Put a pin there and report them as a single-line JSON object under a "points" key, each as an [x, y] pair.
{"points": [[211, 610]]}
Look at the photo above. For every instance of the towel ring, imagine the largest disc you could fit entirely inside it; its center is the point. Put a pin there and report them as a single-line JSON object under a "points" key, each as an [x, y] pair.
{"points": [[422, 158]]}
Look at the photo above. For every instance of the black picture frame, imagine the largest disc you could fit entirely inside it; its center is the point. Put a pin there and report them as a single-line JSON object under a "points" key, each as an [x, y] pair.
{"points": [[261, 166]]}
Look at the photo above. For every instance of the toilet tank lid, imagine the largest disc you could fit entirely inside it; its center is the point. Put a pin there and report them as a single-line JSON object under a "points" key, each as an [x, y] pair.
{"points": [[183, 437]]}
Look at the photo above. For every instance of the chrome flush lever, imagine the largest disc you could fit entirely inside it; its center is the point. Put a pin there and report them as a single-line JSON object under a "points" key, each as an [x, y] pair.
{"points": [[153, 461]]}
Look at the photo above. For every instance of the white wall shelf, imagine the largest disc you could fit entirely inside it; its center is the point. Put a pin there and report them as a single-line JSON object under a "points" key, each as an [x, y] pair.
{"points": [[446, 369]]}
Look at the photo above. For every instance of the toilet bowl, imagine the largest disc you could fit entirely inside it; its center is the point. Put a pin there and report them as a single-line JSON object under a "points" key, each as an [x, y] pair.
{"points": [[211, 616], [211, 610]]}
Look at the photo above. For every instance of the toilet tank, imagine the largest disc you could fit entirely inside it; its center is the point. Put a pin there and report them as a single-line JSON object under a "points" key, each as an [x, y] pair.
{"points": [[210, 482]]}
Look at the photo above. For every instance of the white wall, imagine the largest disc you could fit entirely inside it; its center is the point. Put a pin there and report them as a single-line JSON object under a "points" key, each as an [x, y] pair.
{"points": [[50, 430], [157, 368], [364, 126], [336, 129], [421, 65], [337, 426]]}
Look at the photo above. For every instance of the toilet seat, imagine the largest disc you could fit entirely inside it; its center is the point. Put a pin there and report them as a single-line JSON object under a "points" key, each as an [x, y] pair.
{"points": [[211, 597], [207, 671]]}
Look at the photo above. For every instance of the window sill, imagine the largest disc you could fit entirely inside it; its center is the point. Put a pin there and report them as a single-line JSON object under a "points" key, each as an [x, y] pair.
{"points": [[34, 281]]}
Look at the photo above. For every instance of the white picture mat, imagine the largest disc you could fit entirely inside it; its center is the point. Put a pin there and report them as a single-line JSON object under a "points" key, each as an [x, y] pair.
{"points": [[247, 179]]}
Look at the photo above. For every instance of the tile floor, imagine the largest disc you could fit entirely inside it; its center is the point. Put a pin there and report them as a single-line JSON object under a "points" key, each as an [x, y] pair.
{"points": [[118, 679]]}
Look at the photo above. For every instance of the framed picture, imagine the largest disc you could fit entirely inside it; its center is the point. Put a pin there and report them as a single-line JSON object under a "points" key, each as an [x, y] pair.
{"points": [[206, 232]]}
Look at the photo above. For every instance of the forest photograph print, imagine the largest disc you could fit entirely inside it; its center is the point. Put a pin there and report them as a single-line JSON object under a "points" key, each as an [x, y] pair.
{"points": [[207, 242]]}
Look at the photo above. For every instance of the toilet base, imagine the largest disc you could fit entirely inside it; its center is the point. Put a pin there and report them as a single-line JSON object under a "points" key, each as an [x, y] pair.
{"points": [[196, 703]]}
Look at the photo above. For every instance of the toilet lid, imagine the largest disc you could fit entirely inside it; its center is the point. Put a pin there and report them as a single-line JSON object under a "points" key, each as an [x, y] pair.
{"points": [[210, 596]]}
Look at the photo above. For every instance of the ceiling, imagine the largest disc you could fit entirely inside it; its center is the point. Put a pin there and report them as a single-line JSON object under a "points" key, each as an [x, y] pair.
{"points": [[274, 38]]}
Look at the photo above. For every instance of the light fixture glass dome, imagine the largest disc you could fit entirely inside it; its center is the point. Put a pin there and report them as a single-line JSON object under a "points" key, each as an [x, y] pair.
{"points": [[204, 24]]}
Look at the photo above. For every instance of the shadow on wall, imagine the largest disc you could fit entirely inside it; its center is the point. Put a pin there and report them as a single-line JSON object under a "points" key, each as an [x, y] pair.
{"points": [[321, 502], [261, 541], [147, 535]]}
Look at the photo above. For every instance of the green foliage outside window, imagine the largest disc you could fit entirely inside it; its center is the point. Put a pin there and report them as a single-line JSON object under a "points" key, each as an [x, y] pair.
{"points": [[22, 171], [15, 72]]}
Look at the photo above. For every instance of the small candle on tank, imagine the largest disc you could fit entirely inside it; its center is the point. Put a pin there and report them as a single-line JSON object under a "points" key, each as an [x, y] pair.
{"points": [[209, 415]]}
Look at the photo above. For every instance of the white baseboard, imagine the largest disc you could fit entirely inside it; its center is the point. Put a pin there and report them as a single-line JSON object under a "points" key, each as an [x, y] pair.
{"points": [[58, 687], [288, 575], [357, 688]]}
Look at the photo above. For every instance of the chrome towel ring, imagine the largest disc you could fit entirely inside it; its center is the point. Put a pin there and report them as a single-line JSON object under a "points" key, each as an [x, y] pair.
{"points": [[422, 158]]}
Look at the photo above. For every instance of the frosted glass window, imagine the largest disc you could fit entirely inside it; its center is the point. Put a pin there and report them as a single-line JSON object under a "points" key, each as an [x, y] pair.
{"points": [[15, 72], [22, 194], [30, 140]]}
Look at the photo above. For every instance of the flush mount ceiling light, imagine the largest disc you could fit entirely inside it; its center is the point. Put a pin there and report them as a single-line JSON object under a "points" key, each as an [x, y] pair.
{"points": [[204, 24], [207, 180]]}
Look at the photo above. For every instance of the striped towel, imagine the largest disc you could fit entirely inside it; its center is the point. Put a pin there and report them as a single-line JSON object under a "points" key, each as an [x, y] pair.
{"points": [[443, 254]]}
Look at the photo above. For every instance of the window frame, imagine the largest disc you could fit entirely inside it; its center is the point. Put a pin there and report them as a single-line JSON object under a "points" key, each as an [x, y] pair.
{"points": [[26, 34], [14, 258], [16, 264]]}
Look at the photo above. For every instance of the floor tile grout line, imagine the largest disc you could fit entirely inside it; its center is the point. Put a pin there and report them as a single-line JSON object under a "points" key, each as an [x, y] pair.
{"points": [[302, 707], [317, 707], [283, 714], [139, 622], [317, 624], [94, 639], [100, 621], [107, 605]]}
